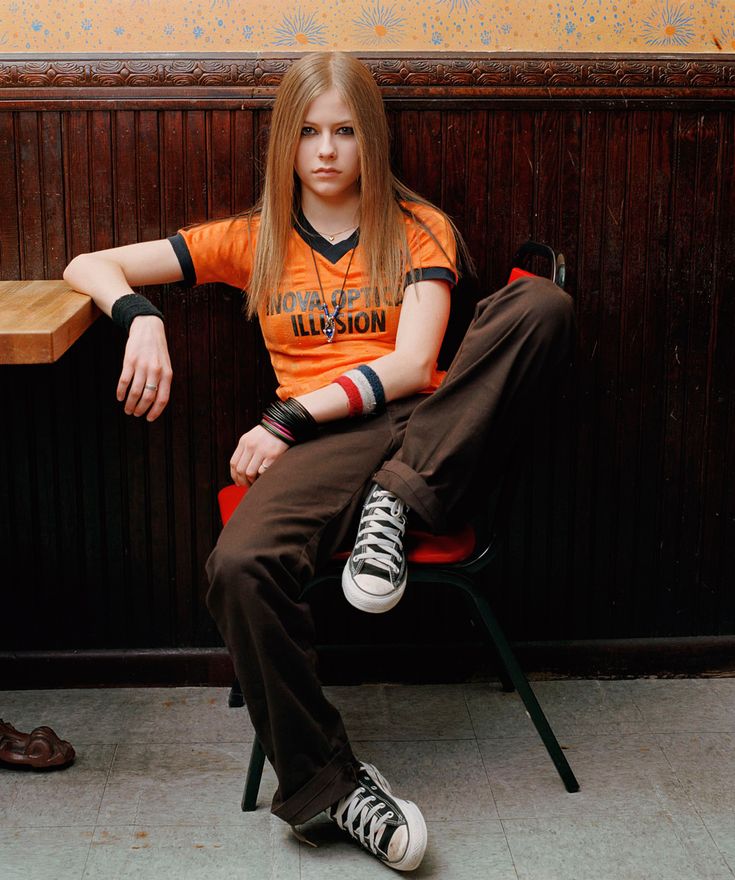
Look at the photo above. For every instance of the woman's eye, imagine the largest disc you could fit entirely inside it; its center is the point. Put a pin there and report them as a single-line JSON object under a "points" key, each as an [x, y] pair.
{"points": [[346, 129], [307, 130]]}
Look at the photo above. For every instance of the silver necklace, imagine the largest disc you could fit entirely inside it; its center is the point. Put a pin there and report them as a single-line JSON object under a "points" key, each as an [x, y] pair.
{"points": [[330, 327]]}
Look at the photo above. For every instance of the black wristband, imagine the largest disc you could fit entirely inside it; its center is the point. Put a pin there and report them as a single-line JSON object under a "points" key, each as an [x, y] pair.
{"points": [[291, 415], [130, 306]]}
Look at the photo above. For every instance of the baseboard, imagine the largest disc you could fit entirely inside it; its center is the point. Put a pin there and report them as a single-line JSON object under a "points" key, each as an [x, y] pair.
{"points": [[618, 658]]}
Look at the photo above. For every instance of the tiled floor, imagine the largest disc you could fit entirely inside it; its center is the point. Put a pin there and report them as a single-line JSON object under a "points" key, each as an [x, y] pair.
{"points": [[155, 791]]}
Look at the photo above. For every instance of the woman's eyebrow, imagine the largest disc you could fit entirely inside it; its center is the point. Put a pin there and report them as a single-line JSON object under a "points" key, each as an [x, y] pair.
{"points": [[341, 122]]}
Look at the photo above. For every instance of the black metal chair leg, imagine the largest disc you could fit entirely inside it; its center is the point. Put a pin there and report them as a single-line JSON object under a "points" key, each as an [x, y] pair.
{"points": [[255, 774], [505, 680], [235, 700], [527, 695]]}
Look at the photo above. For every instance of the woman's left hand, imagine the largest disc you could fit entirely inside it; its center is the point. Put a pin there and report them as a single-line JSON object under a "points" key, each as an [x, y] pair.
{"points": [[255, 453]]}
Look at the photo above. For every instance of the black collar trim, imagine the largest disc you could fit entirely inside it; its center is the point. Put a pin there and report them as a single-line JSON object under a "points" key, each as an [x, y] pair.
{"points": [[332, 252]]}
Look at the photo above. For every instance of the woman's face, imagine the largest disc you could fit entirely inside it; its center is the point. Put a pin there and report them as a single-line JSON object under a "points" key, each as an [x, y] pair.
{"points": [[327, 159]]}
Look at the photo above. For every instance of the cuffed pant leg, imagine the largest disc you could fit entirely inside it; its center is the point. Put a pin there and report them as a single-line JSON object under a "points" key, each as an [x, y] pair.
{"points": [[291, 518], [458, 439]]}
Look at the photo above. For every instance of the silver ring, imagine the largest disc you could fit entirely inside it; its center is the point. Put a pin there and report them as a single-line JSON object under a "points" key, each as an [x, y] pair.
{"points": [[263, 467], [151, 387]]}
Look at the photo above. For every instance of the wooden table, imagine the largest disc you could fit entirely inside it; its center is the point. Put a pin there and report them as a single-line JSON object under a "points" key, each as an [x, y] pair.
{"points": [[40, 320]]}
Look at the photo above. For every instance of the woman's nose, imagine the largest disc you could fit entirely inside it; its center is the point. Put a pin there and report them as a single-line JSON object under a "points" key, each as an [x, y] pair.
{"points": [[326, 147]]}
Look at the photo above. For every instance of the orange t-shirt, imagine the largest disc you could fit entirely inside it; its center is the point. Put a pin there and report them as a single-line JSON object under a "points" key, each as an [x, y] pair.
{"points": [[303, 359]]}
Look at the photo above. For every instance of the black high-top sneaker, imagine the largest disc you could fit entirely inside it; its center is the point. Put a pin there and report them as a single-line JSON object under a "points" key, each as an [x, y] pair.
{"points": [[374, 577], [390, 828]]}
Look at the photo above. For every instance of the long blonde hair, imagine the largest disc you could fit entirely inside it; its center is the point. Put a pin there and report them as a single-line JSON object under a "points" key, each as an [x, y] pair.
{"points": [[383, 237]]}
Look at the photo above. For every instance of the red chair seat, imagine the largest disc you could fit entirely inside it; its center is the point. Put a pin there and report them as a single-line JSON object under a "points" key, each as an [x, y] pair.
{"points": [[421, 547], [516, 273]]}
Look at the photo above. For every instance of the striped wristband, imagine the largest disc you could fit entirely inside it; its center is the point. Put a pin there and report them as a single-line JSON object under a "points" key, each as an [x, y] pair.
{"points": [[364, 390]]}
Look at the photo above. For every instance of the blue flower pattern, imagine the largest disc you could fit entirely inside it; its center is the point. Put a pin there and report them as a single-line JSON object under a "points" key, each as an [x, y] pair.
{"points": [[451, 25]]}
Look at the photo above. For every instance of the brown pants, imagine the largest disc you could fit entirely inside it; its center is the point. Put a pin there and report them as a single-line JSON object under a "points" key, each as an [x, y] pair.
{"points": [[439, 453]]}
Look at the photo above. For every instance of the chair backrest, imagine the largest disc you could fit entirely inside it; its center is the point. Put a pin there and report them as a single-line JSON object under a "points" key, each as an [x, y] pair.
{"points": [[557, 269]]}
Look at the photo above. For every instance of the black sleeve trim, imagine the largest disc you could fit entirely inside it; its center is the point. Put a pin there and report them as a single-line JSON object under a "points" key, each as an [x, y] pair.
{"points": [[182, 252], [431, 273]]}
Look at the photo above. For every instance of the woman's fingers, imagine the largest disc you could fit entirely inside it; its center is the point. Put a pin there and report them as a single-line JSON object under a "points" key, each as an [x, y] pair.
{"points": [[128, 371], [144, 390], [162, 397], [245, 472], [149, 392], [145, 380], [255, 453], [252, 468], [238, 464]]}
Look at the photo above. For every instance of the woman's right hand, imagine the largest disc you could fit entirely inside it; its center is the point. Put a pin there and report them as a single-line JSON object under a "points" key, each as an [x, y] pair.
{"points": [[255, 453], [146, 364]]}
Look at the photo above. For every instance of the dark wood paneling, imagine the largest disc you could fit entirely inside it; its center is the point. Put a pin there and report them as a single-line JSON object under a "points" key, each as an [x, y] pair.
{"points": [[624, 526], [406, 662]]}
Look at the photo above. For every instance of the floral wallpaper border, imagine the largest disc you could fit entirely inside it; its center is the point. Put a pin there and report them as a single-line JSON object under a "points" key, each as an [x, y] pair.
{"points": [[184, 26]]}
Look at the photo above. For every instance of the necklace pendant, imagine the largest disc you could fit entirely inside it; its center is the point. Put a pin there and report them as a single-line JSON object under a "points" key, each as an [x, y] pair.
{"points": [[330, 237], [330, 328]]}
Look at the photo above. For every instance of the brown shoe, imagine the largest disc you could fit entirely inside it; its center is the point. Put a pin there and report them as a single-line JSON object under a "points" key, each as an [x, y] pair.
{"points": [[41, 748]]}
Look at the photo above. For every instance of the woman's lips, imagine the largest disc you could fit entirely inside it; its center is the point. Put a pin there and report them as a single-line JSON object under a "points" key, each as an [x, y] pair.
{"points": [[326, 172]]}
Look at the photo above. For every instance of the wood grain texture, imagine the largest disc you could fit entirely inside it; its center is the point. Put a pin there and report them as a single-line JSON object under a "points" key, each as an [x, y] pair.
{"points": [[397, 72], [40, 320], [625, 524]]}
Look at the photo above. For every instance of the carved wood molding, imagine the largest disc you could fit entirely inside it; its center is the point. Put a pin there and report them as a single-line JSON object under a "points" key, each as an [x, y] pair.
{"points": [[401, 74]]}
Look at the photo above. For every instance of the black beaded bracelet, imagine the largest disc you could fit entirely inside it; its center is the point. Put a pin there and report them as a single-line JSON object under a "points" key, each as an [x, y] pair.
{"points": [[292, 416], [131, 306]]}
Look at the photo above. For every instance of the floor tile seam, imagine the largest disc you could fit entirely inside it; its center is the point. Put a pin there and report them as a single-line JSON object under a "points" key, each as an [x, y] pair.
{"points": [[171, 743], [715, 692], [469, 713], [695, 809], [727, 863], [492, 795], [691, 730], [89, 853], [565, 734], [683, 839], [510, 850], [649, 722], [224, 777], [683, 843], [177, 740], [240, 823], [162, 772], [682, 783], [658, 814], [99, 806], [443, 739], [300, 852], [36, 825]]}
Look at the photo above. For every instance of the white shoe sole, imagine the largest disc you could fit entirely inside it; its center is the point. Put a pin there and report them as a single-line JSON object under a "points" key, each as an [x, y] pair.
{"points": [[366, 601], [417, 826], [418, 837]]}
